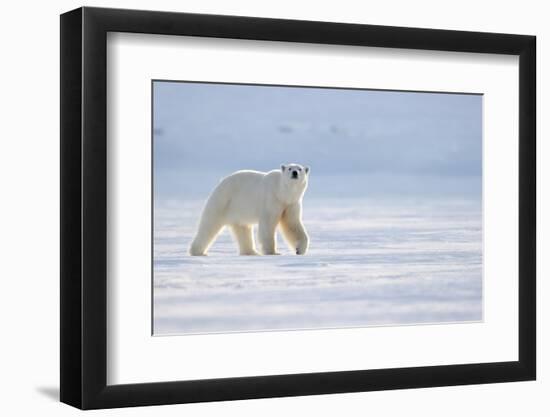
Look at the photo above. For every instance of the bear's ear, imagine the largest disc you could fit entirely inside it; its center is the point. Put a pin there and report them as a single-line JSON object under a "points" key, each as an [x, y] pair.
{"points": [[307, 170], [283, 168]]}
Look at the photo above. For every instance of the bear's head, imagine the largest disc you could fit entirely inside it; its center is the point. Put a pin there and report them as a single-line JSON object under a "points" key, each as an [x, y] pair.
{"points": [[294, 179], [295, 172]]}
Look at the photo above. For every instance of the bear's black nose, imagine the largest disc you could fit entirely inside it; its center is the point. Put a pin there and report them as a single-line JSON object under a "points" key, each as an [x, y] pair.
{"points": [[294, 174]]}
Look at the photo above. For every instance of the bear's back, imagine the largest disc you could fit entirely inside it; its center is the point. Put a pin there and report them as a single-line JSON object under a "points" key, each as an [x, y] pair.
{"points": [[243, 179], [242, 185]]}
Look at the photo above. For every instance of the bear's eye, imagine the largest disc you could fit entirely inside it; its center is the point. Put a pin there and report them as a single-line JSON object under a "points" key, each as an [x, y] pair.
{"points": [[299, 169]]}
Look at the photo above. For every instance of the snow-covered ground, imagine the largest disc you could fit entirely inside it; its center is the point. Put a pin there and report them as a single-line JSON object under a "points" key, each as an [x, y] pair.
{"points": [[371, 262]]}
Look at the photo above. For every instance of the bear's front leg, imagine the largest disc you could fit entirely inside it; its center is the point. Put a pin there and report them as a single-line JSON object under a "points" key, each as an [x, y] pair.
{"points": [[302, 245], [293, 230], [266, 236]]}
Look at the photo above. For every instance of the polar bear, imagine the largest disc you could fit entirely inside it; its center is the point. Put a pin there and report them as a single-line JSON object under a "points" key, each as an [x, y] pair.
{"points": [[248, 198]]}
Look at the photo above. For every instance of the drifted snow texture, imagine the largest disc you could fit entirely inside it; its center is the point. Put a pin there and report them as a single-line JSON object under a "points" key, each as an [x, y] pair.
{"points": [[371, 262]]}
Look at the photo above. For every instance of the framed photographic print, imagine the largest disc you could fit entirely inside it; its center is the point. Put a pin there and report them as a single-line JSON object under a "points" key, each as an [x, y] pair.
{"points": [[257, 207]]}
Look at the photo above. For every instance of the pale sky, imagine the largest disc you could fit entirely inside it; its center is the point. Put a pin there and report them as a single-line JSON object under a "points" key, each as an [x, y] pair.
{"points": [[207, 130]]}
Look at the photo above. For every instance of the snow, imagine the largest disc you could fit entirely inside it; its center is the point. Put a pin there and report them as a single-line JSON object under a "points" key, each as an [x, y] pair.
{"points": [[371, 262]]}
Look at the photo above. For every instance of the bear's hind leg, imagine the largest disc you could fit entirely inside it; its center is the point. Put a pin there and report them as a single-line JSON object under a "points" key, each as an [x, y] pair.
{"points": [[208, 230], [245, 239]]}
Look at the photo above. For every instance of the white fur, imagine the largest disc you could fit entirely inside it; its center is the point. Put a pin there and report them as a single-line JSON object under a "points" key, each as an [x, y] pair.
{"points": [[248, 198]]}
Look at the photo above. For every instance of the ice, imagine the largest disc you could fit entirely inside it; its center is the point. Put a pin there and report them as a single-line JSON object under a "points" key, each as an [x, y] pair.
{"points": [[371, 262]]}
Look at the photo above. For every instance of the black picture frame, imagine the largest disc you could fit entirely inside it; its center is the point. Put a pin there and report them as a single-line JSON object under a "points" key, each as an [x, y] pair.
{"points": [[84, 207]]}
